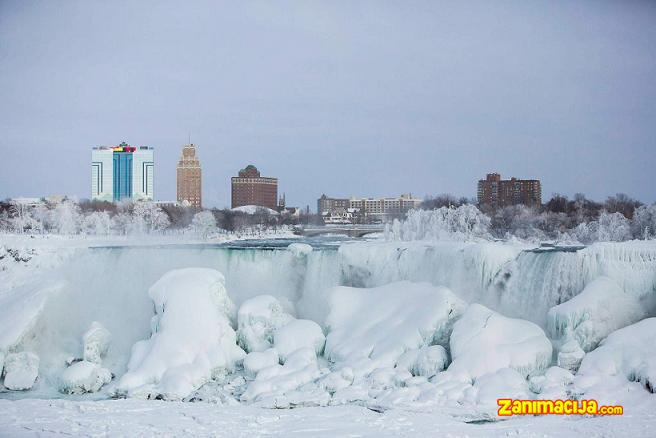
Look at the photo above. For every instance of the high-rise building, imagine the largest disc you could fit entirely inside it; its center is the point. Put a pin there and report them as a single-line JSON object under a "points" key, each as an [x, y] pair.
{"points": [[189, 177], [122, 172], [495, 192], [249, 188]]}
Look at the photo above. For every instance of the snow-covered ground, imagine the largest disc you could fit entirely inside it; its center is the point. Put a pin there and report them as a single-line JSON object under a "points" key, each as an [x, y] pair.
{"points": [[29, 418], [375, 338]]}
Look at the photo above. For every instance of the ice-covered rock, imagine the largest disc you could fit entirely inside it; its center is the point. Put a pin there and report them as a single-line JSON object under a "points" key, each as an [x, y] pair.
{"points": [[299, 333], [258, 319], [256, 361], [430, 361], [299, 249], [372, 328], [627, 354], [192, 338], [2, 361], [601, 308], [425, 361], [299, 369], [552, 385], [96, 343], [84, 376], [484, 341], [21, 370], [570, 355]]}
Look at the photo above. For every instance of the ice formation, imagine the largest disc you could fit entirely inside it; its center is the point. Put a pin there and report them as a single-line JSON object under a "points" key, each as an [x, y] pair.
{"points": [[627, 354], [258, 319], [21, 370], [192, 339], [374, 327], [255, 361], [299, 249], [297, 334], [96, 343], [484, 341], [278, 380], [601, 308], [84, 376]]}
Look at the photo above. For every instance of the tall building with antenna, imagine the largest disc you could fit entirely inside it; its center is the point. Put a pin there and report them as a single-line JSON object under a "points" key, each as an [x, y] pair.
{"points": [[189, 177]]}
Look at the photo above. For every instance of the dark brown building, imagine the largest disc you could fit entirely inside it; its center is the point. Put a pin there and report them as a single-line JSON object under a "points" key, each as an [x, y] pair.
{"points": [[249, 188], [189, 177], [495, 192]]}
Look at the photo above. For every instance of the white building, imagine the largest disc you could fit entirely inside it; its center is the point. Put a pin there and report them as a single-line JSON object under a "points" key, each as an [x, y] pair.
{"points": [[122, 172]]}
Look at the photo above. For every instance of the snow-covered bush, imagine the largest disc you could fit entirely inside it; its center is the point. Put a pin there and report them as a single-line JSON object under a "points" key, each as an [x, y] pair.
{"points": [[192, 337]]}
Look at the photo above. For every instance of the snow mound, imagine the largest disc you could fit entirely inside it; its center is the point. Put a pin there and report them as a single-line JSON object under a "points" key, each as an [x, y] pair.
{"points": [[96, 343], [84, 376], [601, 308], [300, 368], [299, 333], [257, 320], [21, 370], [256, 361], [372, 328], [484, 341], [553, 384], [255, 209], [626, 354], [425, 362], [192, 339], [570, 355]]}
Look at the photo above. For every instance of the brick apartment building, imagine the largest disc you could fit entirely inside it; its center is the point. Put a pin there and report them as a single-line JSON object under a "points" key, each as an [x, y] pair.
{"points": [[189, 177], [495, 192], [249, 188]]}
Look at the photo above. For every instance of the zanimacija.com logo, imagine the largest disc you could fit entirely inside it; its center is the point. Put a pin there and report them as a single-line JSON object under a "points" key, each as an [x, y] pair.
{"points": [[509, 407]]}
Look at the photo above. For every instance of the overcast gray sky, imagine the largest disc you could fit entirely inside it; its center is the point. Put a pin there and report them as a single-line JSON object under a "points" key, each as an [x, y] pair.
{"points": [[343, 97]]}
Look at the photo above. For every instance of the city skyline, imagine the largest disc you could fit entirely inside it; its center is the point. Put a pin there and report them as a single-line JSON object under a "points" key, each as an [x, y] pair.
{"points": [[347, 99]]}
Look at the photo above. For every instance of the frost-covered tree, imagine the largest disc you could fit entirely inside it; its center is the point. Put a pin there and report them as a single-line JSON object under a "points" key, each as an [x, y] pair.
{"points": [[147, 217], [203, 223], [643, 225], [462, 223], [21, 219], [610, 227], [97, 222], [65, 217]]}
